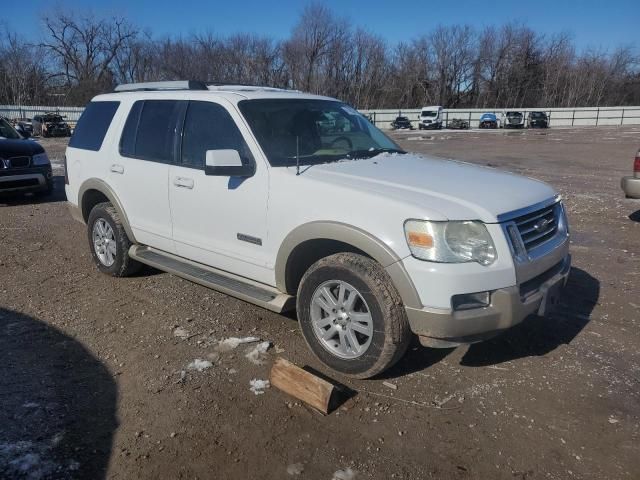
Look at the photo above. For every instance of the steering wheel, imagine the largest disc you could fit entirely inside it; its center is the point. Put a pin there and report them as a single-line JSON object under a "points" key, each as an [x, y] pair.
{"points": [[342, 139]]}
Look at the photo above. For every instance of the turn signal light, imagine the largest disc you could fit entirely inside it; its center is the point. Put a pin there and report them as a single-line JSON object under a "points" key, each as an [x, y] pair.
{"points": [[420, 239], [636, 163]]}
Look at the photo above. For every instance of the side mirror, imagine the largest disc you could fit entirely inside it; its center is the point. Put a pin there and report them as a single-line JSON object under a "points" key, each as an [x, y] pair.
{"points": [[227, 163]]}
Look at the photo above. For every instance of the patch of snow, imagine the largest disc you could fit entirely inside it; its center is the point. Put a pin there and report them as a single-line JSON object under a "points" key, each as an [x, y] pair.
{"points": [[232, 342], [30, 405], [181, 333], [258, 354], [258, 386], [26, 459], [295, 469], [199, 365], [346, 474]]}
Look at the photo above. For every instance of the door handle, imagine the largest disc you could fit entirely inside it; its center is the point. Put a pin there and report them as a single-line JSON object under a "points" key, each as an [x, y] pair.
{"points": [[183, 182], [117, 168]]}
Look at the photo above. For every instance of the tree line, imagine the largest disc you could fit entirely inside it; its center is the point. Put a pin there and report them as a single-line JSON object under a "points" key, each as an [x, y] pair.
{"points": [[512, 65]]}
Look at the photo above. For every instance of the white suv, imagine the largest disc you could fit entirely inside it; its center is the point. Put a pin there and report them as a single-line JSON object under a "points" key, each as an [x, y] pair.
{"points": [[289, 200]]}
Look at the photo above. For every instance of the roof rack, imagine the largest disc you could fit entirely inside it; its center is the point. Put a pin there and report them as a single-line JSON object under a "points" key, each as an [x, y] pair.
{"points": [[171, 85]]}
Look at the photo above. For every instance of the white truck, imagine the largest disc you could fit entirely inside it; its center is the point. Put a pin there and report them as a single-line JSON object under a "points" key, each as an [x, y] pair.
{"points": [[431, 118], [289, 200]]}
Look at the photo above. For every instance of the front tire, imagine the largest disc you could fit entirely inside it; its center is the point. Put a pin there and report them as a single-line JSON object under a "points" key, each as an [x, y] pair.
{"points": [[351, 315], [109, 242]]}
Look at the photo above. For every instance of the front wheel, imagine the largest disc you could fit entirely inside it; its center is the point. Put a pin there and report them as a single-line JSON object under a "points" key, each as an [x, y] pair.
{"points": [[109, 242], [351, 315]]}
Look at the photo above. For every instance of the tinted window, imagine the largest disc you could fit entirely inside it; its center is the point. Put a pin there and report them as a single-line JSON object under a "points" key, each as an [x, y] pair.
{"points": [[209, 126], [93, 125], [150, 130], [128, 138]]}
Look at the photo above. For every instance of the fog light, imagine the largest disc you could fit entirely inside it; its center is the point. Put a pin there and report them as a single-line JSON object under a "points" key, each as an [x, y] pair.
{"points": [[468, 301]]}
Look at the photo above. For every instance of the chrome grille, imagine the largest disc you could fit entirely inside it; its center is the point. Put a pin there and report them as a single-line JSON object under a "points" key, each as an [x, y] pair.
{"points": [[537, 227]]}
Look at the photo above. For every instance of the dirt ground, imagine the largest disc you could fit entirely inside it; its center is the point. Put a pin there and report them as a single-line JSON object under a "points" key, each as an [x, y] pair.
{"points": [[91, 381]]}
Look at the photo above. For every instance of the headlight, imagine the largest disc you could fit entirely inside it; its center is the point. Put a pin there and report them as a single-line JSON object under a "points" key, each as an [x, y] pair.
{"points": [[450, 242], [40, 159]]}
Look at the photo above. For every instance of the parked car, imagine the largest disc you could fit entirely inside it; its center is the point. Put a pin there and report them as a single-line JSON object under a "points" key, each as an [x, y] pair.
{"points": [[24, 165], [23, 125], [631, 184], [50, 125], [369, 243], [431, 118], [537, 120], [401, 123], [458, 124], [488, 120], [513, 119]]}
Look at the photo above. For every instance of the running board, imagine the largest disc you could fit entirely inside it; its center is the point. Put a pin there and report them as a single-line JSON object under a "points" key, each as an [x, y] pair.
{"points": [[236, 286]]}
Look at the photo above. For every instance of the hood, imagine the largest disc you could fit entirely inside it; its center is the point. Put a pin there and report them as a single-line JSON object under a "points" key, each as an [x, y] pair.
{"points": [[442, 189], [14, 148]]}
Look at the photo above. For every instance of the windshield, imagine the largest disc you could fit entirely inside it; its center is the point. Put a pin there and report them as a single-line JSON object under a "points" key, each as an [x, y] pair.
{"points": [[315, 131], [488, 116], [429, 113], [514, 114], [537, 115], [7, 131]]}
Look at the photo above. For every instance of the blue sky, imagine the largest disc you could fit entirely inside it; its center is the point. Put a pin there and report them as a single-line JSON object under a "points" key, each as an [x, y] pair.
{"points": [[597, 24]]}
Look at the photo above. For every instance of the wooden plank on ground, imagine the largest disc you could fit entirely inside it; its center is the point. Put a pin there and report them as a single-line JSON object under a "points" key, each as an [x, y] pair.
{"points": [[301, 384]]}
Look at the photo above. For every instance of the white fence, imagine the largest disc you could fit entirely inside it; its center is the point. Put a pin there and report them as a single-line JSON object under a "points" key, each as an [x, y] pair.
{"points": [[558, 117], [71, 114]]}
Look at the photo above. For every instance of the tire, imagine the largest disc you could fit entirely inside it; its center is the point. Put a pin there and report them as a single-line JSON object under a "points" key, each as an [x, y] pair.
{"points": [[377, 297], [118, 264]]}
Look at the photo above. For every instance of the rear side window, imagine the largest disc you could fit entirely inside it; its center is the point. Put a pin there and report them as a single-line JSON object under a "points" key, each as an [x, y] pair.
{"points": [[208, 126], [149, 131], [93, 125]]}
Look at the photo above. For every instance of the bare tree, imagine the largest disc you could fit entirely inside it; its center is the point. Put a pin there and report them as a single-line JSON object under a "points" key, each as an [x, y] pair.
{"points": [[85, 49], [501, 66], [23, 78]]}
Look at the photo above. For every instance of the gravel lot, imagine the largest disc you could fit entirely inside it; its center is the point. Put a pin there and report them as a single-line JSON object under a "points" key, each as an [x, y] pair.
{"points": [[91, 367]]}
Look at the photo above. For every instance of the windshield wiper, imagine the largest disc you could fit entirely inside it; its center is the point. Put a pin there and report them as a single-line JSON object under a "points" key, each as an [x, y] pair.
{"points": [[372, 152]]}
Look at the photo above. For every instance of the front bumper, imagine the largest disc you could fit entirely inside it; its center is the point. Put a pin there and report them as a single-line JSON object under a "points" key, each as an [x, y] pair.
{"points": [[509, 306], [24, 180], [631, 186]]}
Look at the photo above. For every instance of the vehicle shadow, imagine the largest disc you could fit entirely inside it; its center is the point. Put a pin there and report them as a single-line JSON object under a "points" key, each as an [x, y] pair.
{"points": [[58, 195], [416, 359], [540, 335], [58, 414], [635, 216]]}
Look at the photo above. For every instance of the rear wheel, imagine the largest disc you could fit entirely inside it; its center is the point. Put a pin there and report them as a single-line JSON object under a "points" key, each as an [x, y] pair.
{"points": [[109, 242], [352, 316]]}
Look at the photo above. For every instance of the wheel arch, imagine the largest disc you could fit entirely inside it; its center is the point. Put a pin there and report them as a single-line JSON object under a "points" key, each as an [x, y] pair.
{"points": [[309, 242], [94, 191]]}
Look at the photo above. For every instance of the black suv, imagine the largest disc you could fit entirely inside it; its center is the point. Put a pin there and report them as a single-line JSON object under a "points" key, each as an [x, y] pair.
{"points": [[50, 125], [24, 165], [401, 123], [537, 120]]}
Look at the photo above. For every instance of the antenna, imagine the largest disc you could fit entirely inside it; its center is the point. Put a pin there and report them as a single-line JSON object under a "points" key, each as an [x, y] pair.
{"points": [[297, 155]]}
